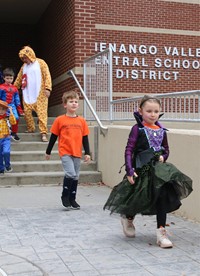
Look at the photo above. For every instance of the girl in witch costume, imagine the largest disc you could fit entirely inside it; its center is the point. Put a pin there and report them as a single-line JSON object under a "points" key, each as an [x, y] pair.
{"points": [[151, 185]]}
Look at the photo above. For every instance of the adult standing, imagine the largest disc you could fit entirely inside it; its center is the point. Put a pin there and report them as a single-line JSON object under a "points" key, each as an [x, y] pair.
{"points": [[35, 81]]}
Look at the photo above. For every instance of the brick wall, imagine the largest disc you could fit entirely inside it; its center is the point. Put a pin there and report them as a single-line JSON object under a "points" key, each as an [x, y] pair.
{"points": [[68, 30], [151, 14], [56, 33], [187, 79], [67, 36], [84, 30]]}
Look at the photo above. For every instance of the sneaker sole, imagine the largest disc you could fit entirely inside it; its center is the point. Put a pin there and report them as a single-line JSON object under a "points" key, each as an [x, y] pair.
{"points": [[75, 208], [8, 171], [164, 246], [66, 206], [128, 236], [15, 139]]}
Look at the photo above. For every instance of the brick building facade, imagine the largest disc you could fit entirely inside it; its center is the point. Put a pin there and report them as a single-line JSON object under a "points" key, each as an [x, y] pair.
{"points": [[156, 43]]}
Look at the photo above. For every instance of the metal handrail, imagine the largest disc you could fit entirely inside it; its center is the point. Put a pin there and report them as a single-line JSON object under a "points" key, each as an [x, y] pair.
{"points": [[163, 95], [174, 112], [103, 129]]}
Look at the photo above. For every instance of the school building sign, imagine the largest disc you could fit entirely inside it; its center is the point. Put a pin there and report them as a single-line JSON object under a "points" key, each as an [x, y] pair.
{"points": [[150, 61]]}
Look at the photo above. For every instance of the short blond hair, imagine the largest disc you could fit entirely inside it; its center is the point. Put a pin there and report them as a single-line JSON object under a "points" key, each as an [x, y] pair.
{"points": [[69, 95]]}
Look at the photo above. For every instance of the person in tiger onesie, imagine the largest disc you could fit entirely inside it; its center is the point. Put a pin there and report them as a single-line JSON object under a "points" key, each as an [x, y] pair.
{"points": [[35, 81]]}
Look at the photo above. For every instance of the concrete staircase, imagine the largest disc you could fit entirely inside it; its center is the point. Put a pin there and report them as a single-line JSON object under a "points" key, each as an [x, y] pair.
{"points": [[31, 168]]}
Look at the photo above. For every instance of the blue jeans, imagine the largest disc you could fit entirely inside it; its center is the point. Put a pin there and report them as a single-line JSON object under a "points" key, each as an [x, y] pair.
{"points": [[71, 166], [4, 153]]}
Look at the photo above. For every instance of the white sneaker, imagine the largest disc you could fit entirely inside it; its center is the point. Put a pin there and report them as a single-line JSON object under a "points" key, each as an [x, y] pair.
{"points": [[128, 227], [162, 239]]}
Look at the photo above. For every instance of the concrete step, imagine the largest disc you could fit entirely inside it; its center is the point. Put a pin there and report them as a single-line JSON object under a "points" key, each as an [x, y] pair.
{"points": [[22, 125], [23, 122], [30, 137], [30, 166], [43, 178], [34, 155], [22, 128], [30, 145], [47, 166]]}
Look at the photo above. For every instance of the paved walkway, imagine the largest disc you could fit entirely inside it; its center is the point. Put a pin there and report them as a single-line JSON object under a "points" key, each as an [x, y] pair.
{"points": [[39, 237]]}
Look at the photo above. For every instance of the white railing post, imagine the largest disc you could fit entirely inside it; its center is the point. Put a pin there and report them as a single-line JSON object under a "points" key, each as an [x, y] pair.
{"points": [[110, 84]]}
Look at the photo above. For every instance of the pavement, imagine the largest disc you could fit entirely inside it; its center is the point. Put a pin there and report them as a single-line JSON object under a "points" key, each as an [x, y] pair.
{"points": [[39, 237]]}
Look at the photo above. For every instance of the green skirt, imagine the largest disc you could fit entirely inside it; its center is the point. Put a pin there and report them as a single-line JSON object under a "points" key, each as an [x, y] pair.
{"points": [[141, 197]]}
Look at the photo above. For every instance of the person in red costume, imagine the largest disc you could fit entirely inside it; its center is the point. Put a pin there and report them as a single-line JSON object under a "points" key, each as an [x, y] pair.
{"points": [[11, 96]]}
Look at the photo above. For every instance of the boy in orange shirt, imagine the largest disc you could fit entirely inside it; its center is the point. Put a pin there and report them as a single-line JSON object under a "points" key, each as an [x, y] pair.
{"points": [[72, 133]]}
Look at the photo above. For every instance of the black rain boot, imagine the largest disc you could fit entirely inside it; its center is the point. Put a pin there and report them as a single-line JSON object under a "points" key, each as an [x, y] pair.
{"points": [[72, 197], [67, 184]]}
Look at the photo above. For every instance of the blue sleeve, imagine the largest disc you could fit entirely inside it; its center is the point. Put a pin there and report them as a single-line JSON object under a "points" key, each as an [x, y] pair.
{"points": [[2, 95], [17, 99]]}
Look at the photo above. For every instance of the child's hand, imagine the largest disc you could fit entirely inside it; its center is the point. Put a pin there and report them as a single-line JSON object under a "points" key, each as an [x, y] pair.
{"points": [[10, 109], [87, 158], [22, 114], [131, 178], [47, 93], [161, 159], [47, 156]]}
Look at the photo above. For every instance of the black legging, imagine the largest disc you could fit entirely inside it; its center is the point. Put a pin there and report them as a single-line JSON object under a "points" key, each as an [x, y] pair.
{"points": [[161, 209], [161, 215]]}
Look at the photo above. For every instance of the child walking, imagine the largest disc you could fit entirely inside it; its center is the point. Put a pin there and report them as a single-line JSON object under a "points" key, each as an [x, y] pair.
{"points": [[72, 132], [5, 123], [13, 99], [151, 185]]}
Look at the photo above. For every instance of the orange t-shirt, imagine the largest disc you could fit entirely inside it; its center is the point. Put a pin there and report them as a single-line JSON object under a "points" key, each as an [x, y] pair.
{"points": [[70, 132], [151, 126]]}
